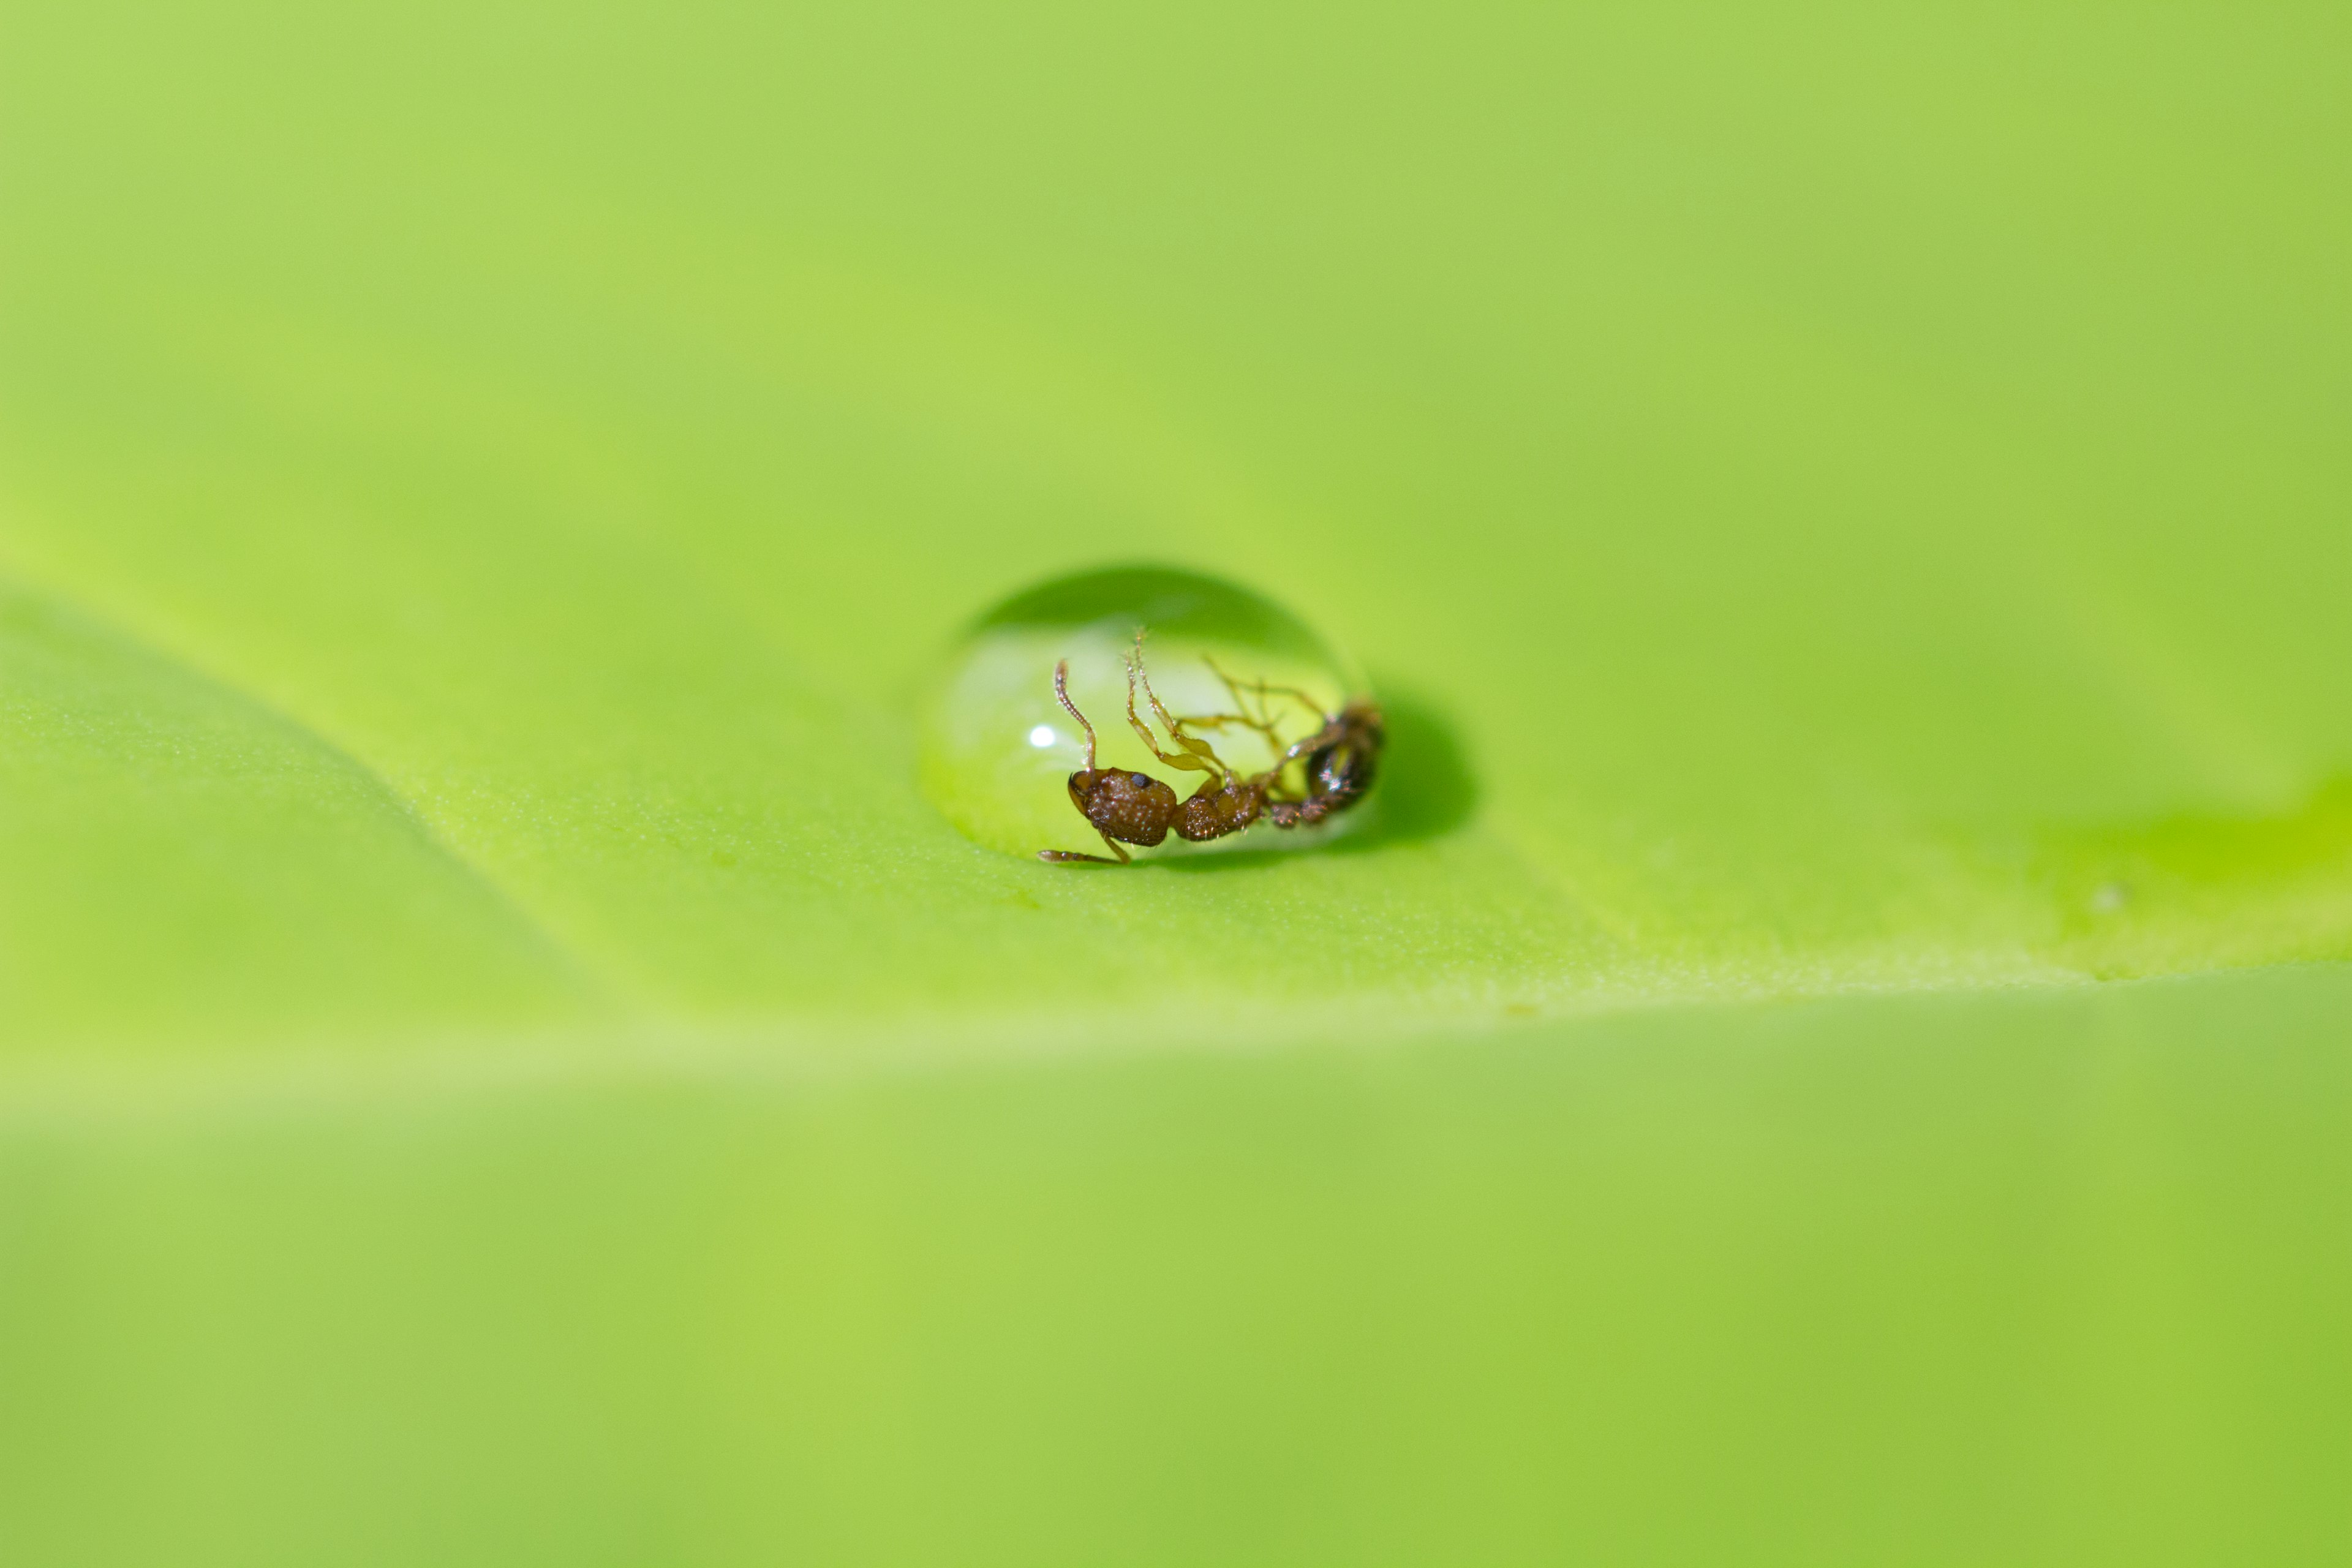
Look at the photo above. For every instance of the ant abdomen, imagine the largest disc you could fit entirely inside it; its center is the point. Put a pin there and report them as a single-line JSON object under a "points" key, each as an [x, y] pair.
{"points": [[1339, 771]]}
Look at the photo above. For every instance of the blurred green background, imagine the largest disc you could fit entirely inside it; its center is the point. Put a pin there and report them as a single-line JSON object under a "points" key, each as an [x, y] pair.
{"points": [[1839, 1050]]}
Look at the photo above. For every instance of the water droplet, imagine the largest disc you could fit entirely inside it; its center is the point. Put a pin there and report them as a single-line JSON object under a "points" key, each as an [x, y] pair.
{"points": [[998, 749]]}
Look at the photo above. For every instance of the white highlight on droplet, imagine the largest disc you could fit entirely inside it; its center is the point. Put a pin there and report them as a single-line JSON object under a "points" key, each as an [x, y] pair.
{"points": [[1042, 736]]}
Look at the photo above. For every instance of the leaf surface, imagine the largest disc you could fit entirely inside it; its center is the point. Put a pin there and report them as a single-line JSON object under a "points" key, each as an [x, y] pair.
{"points": [[1840, 506]]}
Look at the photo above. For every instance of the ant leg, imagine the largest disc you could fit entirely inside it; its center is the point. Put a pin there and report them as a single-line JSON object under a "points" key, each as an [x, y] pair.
{"points": [[1201, 757], [1266, 689], [1260, 722], [1262, 719], [1263, 722], [1307, 745], [1273, 736], [1304, 701], [1283, 755], [1187, 759], [1072, 858], [1220, 720], [1176, 727]]}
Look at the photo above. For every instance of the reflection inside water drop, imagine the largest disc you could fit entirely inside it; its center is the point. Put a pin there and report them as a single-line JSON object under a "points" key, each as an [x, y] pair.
{"points": [[998, 750]]}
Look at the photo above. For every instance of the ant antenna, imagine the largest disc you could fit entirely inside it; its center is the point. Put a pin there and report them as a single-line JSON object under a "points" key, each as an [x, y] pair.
{"points": [[1062, 690]]}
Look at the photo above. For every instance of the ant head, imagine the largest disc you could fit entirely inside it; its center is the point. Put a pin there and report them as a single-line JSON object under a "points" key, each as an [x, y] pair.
{"points": [[1134, 808]]}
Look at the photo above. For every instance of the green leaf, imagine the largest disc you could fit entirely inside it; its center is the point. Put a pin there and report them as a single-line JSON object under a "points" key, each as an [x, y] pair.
{"points": [[499, 1060]]}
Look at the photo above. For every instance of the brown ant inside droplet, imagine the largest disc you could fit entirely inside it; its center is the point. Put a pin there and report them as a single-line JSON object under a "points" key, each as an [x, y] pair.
{"points": [[1341, 755]]}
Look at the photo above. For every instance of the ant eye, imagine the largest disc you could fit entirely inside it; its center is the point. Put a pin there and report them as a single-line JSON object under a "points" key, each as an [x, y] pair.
{"points": [[1141, 780]]}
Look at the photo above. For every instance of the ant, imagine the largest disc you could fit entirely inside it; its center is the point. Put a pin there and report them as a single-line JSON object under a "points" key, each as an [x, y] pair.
{"points": [[1342, 756]]}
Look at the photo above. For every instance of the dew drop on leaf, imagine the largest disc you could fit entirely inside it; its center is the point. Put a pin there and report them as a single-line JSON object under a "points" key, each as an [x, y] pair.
{"points": [[998, 749]]}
